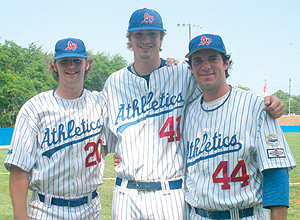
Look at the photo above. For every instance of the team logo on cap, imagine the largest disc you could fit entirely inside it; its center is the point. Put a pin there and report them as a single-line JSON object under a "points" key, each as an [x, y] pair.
{"points": [[205, 40], [272, 139], [148, 18], [71, 46]]}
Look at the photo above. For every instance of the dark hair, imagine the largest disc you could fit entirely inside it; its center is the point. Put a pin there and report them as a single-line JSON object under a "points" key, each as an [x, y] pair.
{"points": [[225, 58], [128, 36], [55, 73]]}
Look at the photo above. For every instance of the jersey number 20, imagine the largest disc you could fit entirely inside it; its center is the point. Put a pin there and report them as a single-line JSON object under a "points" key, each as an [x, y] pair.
{"points": [[95, 150], [223, 165]]}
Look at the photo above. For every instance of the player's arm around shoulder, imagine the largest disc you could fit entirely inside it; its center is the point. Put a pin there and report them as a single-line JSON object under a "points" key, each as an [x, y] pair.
{"points": [[171, 61], [274, 106], [18, 185], [109, 139]]}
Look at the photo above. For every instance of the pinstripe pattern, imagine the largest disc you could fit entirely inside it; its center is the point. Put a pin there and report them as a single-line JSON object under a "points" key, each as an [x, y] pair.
{"points": [[137, 115], [234, 132], [55, 140], [132, 204], [38, 210]]}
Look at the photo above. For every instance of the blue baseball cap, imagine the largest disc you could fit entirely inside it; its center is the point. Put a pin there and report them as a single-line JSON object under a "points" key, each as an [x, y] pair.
{"points": [[145, 19], [206, 41], [70, 47]]}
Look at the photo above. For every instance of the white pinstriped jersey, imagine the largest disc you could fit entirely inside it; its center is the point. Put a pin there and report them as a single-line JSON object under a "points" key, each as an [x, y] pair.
{"points": [[58, 142], [147, 121], [228, 148]]}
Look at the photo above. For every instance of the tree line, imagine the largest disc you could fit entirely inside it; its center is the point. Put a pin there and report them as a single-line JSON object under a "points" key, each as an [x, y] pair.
{"points": [[24, 73], [294, 102], [291, 102]]}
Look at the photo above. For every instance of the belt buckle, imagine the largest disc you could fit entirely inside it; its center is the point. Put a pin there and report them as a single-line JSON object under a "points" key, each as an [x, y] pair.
{"points": [[137, 185], [69, 202], [147, 186]]}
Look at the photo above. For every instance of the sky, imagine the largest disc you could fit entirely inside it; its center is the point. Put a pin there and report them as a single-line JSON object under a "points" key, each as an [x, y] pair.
{"points": [[262, 36]]}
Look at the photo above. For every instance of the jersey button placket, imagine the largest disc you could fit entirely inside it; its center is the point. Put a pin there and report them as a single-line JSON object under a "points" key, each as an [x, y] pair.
{"points": [[75, 159]]}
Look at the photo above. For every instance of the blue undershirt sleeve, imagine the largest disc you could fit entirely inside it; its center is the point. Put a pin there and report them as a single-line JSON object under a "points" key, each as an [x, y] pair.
{"points": [[275, 187]]}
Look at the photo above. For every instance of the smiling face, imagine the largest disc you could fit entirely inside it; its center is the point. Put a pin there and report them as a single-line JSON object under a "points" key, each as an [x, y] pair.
{"points": [[146, 44], [208, 68], [71, 71]]}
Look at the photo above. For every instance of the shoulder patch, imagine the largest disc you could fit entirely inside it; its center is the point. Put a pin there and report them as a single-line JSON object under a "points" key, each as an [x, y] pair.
{"points": [[272, 139], [276, 153]]}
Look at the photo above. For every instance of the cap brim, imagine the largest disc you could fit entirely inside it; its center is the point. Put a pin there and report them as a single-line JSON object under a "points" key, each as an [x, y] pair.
{"points": [[69, 55], [203, 48], [190, 53], [146, 28]]}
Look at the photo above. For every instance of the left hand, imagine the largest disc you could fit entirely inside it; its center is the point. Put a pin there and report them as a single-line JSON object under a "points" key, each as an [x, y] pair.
{"points": [[171, 61], [274, 106], [117, 160]]}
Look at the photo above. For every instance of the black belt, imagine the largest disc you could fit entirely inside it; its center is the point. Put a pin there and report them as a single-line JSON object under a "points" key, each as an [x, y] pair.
{"points": [[223, 214], [148, 186], [68, 202]]}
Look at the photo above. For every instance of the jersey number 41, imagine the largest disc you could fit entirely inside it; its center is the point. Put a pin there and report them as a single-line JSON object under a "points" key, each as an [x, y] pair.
{"points": [[171, 132]]}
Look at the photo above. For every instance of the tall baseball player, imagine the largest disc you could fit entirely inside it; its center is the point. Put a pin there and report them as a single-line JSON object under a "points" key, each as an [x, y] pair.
{"points": [[237, 157], [57, 147], [145, 104]]}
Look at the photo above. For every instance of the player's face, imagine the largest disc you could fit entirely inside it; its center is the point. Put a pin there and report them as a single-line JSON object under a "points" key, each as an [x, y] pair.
{"points": [[146, 44], [71, 70], [209, 68]]}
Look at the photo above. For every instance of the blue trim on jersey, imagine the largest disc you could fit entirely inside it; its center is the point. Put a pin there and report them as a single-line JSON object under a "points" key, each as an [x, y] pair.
{"points": [[209, 110], [147, 77], [211, 156], [126, 125], [57, 88], [52, 151], [275, 187]]}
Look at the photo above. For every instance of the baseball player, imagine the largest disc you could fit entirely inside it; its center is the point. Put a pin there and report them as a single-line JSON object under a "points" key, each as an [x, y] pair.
{"points": [[237, 157], [57, 149], [145, 104]]}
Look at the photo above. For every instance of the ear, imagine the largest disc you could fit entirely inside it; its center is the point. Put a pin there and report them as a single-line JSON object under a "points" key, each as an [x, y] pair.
{"points": [[129, 38], [161, 41], [191, 69], [226, 64], [87, 65], [54, 66]]}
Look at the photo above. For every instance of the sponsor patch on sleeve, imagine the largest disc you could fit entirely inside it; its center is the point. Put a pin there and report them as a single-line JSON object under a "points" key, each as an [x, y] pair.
{"points": [[272, 139], [276, 153]]}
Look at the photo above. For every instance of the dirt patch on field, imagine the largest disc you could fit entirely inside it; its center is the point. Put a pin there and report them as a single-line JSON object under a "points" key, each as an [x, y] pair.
{"points": [[289, 120]]}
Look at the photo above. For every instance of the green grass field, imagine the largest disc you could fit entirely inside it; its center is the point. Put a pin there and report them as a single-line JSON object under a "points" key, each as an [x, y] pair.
{"points": [[106, 190]]}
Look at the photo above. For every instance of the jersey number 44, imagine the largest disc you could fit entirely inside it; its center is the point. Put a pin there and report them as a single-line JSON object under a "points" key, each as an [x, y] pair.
{"points": [[226, 179]]}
